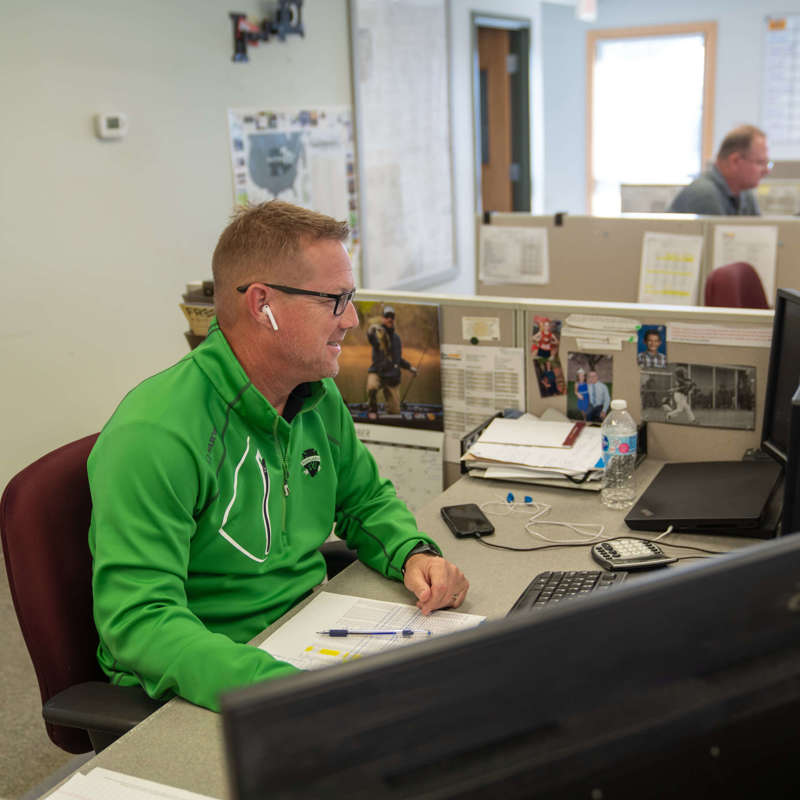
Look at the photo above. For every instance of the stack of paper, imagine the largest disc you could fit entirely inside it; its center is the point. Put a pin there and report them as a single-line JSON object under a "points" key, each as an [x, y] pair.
{"points": [[550, 451], [102, 784], [593, 332]]}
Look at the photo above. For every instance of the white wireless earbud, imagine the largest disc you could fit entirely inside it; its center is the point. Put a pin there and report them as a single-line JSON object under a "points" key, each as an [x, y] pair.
{"points": [[265, 309]]}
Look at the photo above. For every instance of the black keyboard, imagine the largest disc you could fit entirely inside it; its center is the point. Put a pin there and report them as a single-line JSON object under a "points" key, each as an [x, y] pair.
{"points": [[553, 587]]}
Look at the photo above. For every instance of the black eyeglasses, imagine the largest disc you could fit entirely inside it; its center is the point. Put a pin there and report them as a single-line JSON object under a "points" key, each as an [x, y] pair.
{"points": [[340, 304]]}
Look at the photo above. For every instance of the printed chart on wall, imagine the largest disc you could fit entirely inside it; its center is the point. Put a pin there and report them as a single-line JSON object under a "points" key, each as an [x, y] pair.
{"points": [[477, 382], [781, 88], [303, 156], [402, 107]]}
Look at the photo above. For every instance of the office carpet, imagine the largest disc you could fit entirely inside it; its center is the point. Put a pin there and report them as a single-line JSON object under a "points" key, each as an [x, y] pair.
{"points": [[27, 756]]}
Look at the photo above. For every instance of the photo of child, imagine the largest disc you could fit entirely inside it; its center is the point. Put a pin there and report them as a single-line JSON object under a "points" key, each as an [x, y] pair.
{"points": [[652, 349]]}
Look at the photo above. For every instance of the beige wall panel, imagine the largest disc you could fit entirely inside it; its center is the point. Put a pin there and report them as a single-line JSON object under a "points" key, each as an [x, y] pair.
{"points": [[591, 258], [787, 267]]}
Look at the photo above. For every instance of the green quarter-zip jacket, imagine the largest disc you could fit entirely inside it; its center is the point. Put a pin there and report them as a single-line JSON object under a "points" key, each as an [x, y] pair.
{"points": [[208, 512]]}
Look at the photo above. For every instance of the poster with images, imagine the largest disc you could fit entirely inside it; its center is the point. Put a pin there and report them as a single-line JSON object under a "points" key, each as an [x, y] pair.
{"points": [[303, 156], [652, 347], [545, 342], [711, 396], [390, 369], [590, 383]]}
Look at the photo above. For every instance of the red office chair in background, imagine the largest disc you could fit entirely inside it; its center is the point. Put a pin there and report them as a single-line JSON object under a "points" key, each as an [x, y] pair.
{"points": [[44, 522], [735, 285]]}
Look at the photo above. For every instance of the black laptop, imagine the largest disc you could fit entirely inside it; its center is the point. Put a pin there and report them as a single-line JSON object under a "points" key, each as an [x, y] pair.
{"points": [[724, 497]]}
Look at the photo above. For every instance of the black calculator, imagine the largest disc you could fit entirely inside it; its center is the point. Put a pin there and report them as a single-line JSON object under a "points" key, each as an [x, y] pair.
{"points": [[630, 554]]}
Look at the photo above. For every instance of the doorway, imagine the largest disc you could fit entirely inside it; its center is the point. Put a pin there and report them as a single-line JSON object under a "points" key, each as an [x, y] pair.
{"points": [[501, 80]]}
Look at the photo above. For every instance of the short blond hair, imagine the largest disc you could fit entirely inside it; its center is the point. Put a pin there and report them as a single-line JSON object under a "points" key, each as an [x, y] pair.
{"points": [[263, 242]]}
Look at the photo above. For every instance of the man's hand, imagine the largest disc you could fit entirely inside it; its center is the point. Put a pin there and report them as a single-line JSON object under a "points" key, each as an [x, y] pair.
{"points": [[436, 582]]}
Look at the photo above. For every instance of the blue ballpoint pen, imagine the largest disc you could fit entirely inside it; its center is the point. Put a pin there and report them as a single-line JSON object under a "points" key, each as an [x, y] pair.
{"points": [[347, 632]]}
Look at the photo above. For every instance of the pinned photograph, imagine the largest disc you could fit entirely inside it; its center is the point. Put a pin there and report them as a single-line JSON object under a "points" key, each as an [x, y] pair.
{"points": [[652, 348], [545, 340], [590, 380], [711, 396], [389, 369], [550, 377]]}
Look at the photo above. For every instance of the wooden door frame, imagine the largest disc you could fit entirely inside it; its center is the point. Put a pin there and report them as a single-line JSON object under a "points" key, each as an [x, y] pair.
{"points": [[511, 23], [707, 29]]}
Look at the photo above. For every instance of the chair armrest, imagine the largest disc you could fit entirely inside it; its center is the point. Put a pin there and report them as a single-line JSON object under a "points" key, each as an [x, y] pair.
{"points": [[98, 706]]}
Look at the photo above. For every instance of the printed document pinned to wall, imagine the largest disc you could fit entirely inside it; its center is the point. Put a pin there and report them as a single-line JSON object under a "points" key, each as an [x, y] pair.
{"points": [[670, 268], [755, 244], [513, 255], [477, 382]]}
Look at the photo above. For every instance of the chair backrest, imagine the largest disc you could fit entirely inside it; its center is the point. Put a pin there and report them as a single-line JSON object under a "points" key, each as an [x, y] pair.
{"points": [[44, 520], [735, 285]]}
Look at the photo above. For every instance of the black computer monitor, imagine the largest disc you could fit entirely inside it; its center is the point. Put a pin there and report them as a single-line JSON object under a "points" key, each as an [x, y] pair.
{"points": [[790, 519], [780, 433], [679, 684], [783, 374]]}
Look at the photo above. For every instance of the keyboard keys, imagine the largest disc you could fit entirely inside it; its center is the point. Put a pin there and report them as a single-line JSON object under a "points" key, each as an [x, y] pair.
{"points": [[548, 588]]}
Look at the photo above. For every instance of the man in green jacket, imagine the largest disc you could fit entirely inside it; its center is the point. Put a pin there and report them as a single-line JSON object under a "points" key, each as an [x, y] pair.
{"points": [[216, 481]]}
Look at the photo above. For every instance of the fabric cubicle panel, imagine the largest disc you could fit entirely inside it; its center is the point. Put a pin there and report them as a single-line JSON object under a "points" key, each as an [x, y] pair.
{"points": [[599, 258], [670, 442], [591, 258]]}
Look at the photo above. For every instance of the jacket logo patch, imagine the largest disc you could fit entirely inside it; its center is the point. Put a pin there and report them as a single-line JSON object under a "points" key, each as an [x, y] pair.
{"points": [[311, 462]]}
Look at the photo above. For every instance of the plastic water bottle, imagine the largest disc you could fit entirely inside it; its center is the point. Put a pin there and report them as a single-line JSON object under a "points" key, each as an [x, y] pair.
{"points": [[619, 457]]}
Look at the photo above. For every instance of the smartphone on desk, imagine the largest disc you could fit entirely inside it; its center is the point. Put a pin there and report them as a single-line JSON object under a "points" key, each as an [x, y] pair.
{"points": [[467, 520]]}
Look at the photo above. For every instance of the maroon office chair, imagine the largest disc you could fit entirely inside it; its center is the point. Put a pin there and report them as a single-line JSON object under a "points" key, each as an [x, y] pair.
{"points": [[735, 285], [44, 522]]}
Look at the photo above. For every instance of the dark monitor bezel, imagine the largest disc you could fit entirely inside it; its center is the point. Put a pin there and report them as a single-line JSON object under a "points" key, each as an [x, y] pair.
{"points": [[782, 298], [598, 684], [790, 516]]}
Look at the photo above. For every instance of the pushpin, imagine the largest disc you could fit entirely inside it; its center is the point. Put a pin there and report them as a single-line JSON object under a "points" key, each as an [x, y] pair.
{"points": [[528, 499], [509, 498]]}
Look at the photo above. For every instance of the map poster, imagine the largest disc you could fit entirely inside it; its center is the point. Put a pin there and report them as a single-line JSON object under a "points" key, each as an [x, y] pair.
{"points": [[302, 156]]}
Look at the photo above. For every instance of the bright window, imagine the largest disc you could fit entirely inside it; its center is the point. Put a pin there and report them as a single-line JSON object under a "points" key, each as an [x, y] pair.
{"points": [[650, 94]]}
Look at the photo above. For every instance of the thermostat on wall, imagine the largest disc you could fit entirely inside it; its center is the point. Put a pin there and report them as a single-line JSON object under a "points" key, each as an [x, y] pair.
{"points": [[110, 126]]}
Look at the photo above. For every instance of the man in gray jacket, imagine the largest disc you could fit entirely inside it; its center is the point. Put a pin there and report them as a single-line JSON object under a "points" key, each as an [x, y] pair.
{"points": [[726, 189]]}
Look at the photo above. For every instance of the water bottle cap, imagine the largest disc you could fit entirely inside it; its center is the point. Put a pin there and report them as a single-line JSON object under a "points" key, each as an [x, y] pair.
{"points": [[618, 405]]}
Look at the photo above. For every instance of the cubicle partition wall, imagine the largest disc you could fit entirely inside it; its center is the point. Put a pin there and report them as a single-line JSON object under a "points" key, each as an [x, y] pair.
{"points": [[599, 258], [711, 342]]}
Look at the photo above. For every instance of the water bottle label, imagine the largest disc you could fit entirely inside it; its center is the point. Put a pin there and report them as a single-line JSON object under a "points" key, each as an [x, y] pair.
{"points": [[618, 446]]}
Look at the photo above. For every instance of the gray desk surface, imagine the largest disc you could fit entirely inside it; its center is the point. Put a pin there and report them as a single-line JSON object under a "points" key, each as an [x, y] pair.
{"points": [[181, 744]]}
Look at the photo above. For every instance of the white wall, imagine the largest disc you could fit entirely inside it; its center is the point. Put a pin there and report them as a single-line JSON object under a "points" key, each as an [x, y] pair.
{"points": [[739, 69], [98, 239]]}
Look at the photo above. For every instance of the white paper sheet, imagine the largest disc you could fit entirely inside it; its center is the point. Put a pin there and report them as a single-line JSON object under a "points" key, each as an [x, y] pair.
{"points": [[477, 382], [728, 335], [103, 784], [526, 430], [299, 643], [755, 244], [606, 324], [484, 329], [583, 456], [513, 255], [670, 268]]}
